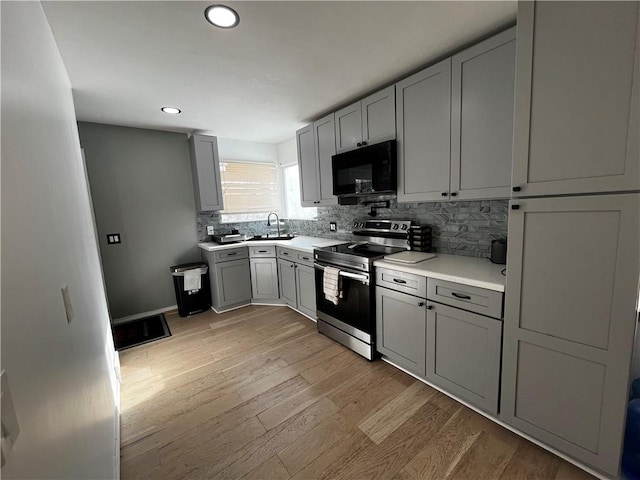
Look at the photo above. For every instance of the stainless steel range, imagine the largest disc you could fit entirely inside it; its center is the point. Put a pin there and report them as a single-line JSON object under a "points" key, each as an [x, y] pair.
{"points": [[351, 321]]}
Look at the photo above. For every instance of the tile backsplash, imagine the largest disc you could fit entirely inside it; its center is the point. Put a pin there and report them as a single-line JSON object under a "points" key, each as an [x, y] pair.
{"points": [[459, 228]]}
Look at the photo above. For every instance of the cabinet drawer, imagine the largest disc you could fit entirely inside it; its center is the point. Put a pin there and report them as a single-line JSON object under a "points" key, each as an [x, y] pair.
{"points": [[305, 258], [262, 251], [288, 254], [231, 254], [474, 299], [402, 282]]}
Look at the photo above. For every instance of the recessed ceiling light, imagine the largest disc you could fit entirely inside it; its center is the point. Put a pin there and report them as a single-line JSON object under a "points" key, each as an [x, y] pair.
{"points": [[172, 110], [221, 16]]}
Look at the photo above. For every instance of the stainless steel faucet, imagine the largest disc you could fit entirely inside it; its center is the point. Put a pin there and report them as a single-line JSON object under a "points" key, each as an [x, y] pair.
{"points": [[277, 221]]}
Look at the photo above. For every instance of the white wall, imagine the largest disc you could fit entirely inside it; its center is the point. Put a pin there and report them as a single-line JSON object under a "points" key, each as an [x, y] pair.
{"points": [[60, 374], [287, 152], [230, 149]]}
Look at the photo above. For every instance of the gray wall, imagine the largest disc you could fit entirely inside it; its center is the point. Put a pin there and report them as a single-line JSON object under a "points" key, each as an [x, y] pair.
{"points": [[142, 189], [458, 228], [61, 374]]}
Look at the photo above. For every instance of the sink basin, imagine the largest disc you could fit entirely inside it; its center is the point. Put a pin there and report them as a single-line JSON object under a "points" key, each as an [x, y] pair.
{"points": [[281, 237]]}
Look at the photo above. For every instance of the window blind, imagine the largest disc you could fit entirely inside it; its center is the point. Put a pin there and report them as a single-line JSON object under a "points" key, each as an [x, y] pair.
{"points": [[249, 187]]}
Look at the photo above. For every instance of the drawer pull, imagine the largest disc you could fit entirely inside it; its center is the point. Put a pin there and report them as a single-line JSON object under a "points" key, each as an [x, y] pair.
{"points": [[285, 253], [460, 295], [429, 307], [421, 304], [263, 251], [398, 280], [232, 254], [305, 258]]}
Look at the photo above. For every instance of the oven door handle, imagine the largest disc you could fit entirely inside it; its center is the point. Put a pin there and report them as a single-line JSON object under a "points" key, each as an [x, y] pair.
{"points": [[343, 273]]}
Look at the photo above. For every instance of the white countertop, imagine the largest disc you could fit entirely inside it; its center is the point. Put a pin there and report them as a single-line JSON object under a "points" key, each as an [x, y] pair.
{"points": [[302, 243], [473, 271]]}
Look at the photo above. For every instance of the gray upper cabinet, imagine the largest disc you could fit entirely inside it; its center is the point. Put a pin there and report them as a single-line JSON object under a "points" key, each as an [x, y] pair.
{"points": [[307, 166], [348, 127], [316, 145], [570, 317], [325, 148], [369, 121], [205, 167], [577, 105], [424, 129], [482, 96]]}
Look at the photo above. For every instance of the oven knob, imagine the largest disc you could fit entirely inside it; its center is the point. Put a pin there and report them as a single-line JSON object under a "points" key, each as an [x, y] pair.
{"points": [[404, 226], [361, 225], [395, 226], [355, 224]]}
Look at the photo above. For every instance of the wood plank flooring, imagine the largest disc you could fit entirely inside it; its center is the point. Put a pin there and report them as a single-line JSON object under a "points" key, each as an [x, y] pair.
{"points": [[257, 393]]}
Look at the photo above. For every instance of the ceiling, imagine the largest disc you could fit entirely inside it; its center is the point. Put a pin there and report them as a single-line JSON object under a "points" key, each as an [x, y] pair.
{"points": [[284, 65]]}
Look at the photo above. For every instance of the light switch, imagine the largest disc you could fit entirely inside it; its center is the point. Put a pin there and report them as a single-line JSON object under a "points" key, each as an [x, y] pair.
{"points": [[333, 226], [113, 238], [210, 230]]}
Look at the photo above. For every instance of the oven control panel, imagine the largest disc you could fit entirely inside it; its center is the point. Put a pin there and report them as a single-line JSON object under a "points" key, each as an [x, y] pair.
{"points": [[381, 226]]}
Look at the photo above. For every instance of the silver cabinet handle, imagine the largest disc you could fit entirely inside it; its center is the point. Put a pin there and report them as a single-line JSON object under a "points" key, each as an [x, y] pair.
{"points": [[398, 280]]}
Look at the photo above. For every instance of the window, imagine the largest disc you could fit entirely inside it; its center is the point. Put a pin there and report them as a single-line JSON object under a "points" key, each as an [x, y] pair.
{"points": [[250, 190], [291, 189]]}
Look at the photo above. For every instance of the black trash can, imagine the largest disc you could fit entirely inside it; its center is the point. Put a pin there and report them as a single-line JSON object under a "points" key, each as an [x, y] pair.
{"points": [[196, 298]]}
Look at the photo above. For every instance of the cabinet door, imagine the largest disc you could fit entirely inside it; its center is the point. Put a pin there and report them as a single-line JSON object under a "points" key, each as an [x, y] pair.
{"points": [[325, 148], [576, 113], [401, 328], [348, 127], [264, 278], [379, 116], [287, 276], [205, 166], [463, 354], [483, 80], [306, 289], [424, 127], [307, 166], [570, 316], [233, 283]]}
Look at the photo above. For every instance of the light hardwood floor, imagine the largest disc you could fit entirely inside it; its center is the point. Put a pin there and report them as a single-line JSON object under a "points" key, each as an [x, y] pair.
{"points": [[258, 393]]}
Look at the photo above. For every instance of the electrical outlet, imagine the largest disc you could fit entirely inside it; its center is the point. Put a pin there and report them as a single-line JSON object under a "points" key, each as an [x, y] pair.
{"points": [[66, 299], [333, 226], [210, 230]]}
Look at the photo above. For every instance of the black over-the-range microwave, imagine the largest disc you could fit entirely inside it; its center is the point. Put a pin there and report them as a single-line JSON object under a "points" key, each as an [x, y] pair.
{"points": [[365, 171]]}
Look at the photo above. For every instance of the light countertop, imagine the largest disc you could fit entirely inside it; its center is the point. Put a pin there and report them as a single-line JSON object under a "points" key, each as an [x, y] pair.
{"points": [[473, 271], [302, 243]]}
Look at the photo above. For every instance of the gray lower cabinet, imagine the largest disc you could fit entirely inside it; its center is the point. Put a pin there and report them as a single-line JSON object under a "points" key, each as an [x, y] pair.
{"points": [[205, 166], [463, 354], [230, 278], [577, 107], [297, 280], [306, 289], [401, 328], [570, 317], [287, 277], [264, 279]]}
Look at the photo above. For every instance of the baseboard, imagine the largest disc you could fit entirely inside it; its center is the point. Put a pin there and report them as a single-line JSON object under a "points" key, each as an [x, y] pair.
{"points": [[501, 423], [136, 316]]}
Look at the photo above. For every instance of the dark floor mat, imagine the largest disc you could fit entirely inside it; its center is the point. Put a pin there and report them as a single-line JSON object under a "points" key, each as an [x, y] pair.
{"points": [[137, 332]]}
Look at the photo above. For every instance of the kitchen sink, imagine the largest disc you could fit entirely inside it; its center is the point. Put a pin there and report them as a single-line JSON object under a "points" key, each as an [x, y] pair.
{"points": [[266, 237]]}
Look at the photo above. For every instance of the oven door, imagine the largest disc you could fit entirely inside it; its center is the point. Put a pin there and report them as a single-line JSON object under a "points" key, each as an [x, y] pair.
{"points": [[355, 308]]}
